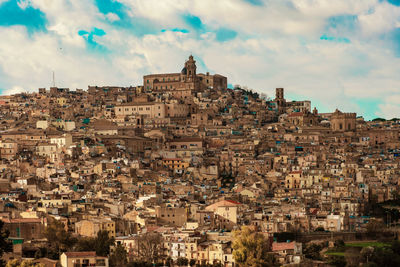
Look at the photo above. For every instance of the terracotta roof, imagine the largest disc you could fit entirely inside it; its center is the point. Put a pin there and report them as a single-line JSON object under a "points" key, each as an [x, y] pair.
{"points": [[81, 254], [282, 246]]}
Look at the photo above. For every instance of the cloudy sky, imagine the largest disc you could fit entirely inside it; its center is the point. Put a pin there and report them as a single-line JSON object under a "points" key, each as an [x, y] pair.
{"points": [[339, 54]]}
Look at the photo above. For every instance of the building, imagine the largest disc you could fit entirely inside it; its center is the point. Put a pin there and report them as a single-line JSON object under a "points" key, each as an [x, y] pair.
{"points": [[171, 215], [183, 84], [82, 259], [343, 122], [91, 227]]}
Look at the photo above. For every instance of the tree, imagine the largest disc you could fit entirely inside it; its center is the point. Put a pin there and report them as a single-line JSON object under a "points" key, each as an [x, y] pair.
{"points": [[150, 247], [337, 261], [182, 261], [17, 263], [312, 251], [119, 256], [375, 227], [250, 248], [101, 243], [58, 237], [4, 243]]}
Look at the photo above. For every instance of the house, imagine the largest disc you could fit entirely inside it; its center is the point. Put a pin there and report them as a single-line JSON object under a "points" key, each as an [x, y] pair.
{"points": [[81, 259]]}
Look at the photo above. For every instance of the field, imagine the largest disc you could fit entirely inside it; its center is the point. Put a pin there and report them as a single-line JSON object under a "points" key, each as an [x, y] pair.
{"points": [[357, 245], [367, 244]]}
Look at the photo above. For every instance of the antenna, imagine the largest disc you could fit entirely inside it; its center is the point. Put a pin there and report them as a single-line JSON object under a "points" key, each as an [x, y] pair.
{"points": [[54, 80]]}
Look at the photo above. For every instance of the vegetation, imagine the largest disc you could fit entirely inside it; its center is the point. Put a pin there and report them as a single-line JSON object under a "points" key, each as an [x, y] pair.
{"points": [[312, 251], [366, 254], [379, 119], [250, 249], [368, 244], [18, 263], [182, 261], [119, 257], [101, 244], [59, 238], [4, 244], [150, 248]]}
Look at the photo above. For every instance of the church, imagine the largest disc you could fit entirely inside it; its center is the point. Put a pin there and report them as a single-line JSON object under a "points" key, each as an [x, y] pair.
{"points": [[182, 85]]}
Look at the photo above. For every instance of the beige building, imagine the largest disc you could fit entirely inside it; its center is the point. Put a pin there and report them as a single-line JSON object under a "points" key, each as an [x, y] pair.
{"points": [[342, 122], [171, 215], [8, 149], [226, 212], [148, 109], [48, 151], [90, 227], [81, 259]]}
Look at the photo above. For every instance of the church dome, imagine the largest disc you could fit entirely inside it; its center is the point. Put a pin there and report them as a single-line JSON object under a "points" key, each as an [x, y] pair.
{"points": [[184, 71]]}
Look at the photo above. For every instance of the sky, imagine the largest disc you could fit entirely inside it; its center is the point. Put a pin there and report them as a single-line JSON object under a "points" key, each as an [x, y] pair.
{"points": [[338, 54]]}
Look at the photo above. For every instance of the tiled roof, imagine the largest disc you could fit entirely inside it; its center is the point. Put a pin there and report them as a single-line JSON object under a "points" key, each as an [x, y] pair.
{"points": [[282, 246], [80, 254]]}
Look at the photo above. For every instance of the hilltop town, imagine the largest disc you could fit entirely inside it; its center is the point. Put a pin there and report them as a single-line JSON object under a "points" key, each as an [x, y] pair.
{"points": [[170, 169]]}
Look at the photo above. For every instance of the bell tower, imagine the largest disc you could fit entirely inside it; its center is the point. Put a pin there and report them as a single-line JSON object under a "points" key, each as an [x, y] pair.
{"points": [[190, 66]]}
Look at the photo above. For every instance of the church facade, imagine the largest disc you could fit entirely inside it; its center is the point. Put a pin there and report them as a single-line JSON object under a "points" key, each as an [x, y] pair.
{"points": [[184, 84]]}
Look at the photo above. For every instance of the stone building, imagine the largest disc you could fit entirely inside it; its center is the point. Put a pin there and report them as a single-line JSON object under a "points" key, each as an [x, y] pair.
{"points": [[183, 84], [343, 122]]}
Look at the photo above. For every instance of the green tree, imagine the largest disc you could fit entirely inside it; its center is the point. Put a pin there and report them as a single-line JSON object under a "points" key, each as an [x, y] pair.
{"points": [[375, 228], [250, 248], [119, 256], [59, 238], [85, 244], [379, 119], [312, 251], [182, 261], [337, 261], [18, 263], [4, 243], [103, 243]]}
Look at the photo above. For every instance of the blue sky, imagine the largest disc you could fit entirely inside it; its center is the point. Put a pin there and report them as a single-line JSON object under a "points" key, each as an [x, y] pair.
{"points": [[338, 54]]}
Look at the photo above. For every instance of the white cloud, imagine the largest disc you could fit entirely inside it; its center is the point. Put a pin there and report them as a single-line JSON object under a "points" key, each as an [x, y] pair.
{"points": [[112, 17], [23, 4]]}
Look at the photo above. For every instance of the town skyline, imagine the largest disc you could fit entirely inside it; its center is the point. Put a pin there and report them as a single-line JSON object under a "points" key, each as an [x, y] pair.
{"points": [[341, 54], [180, 170]]}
